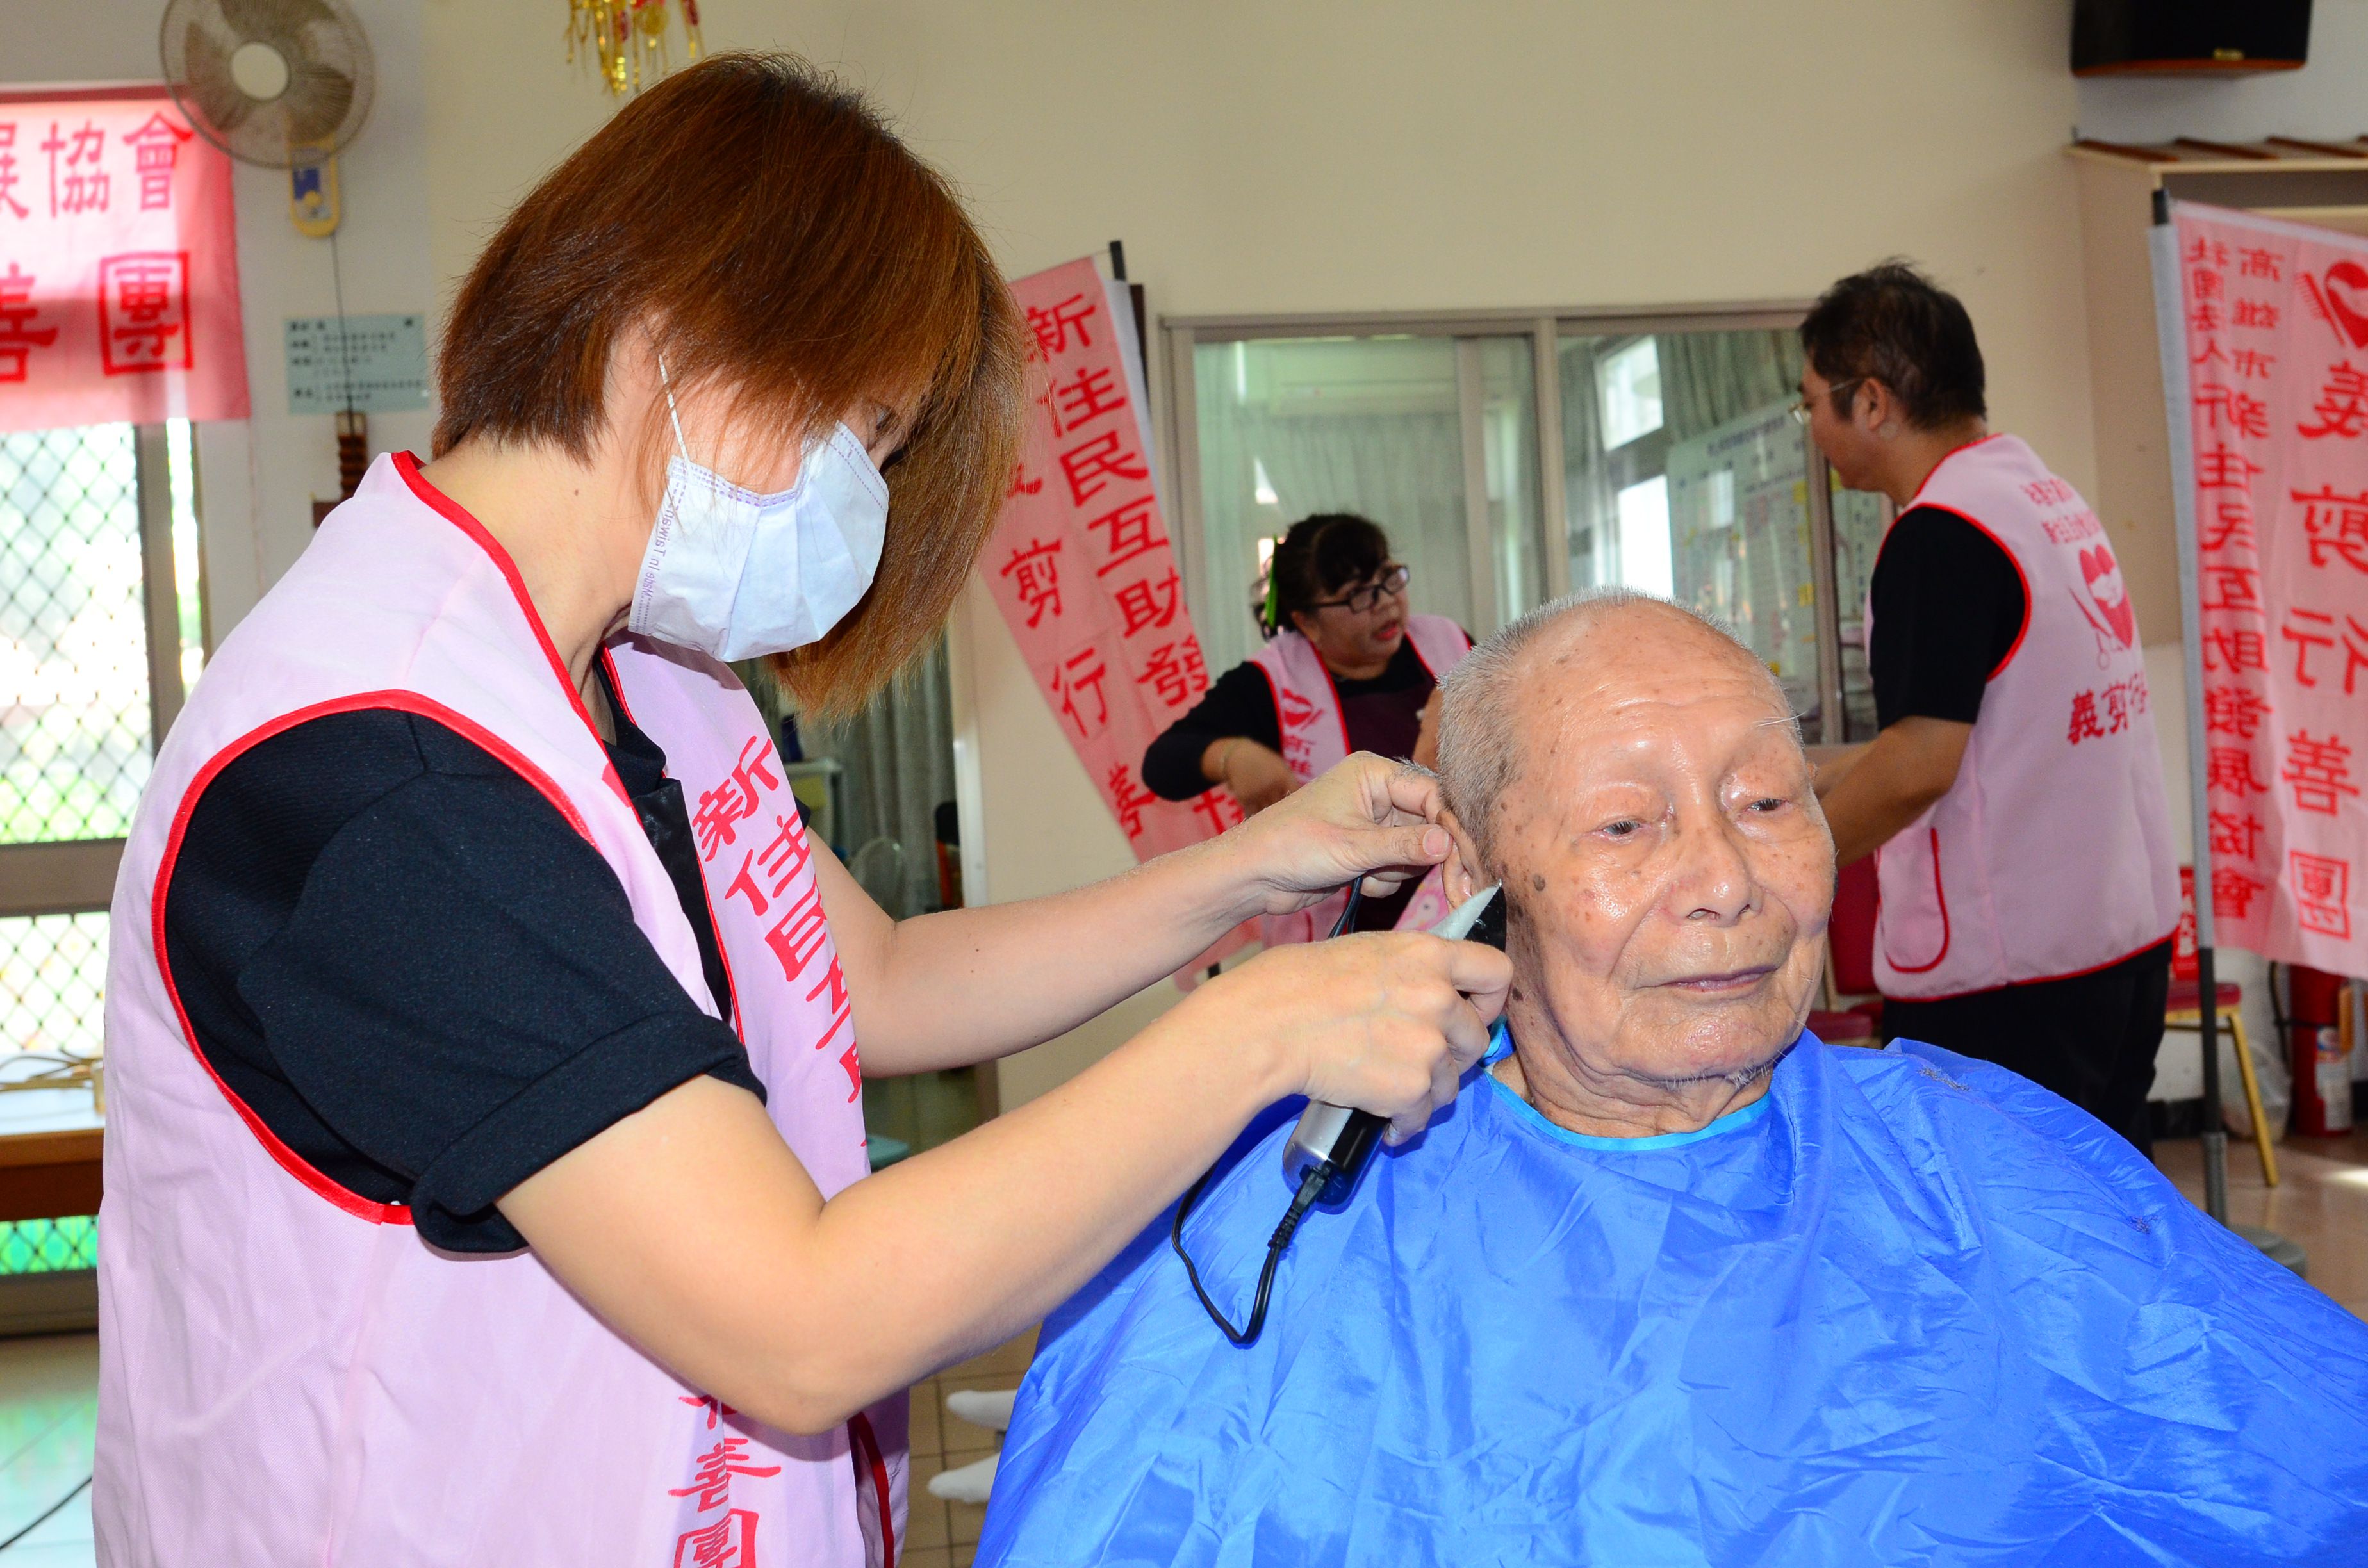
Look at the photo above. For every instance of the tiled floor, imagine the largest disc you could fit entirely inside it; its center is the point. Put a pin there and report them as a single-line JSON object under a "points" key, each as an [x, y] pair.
{"points": [[943, 1535], [2320, 1201], [49, 1411]]}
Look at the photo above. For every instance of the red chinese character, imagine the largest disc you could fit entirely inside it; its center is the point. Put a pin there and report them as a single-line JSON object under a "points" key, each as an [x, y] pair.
{"points": [[2238, 836], [143, 304], [1128, 799], [1129, 533], [729, 1542], [1090, 465], [2320, 770], [2234, 651], [1093, 392], [77, 184], [713, 1406], [799, 935], [2251, 364], [2205, 317], [833, 983], [2118, 706], [2231, 590], [712, 1479], [2207, 285], [1020, 483], [2233, 893], [2253, 312], [1036, 573], [2253, 263], [1052, 326], [2212, 354], [156, 147], [2231, 527], [2229, 771], [2224, 469], [1217, 807], [2343, 406], [2337, 524], [2202, 251], [788, 853], [1174, 672], [2084, 719], [18, 336], [2322, 890], [723, 808], [2244, 413], [9, 177], [1083, 671], [1146, 603], [2233, 711]]}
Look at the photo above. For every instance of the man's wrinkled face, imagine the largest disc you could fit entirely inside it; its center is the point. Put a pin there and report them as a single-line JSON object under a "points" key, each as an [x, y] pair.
{"points": [[1668, 868]]}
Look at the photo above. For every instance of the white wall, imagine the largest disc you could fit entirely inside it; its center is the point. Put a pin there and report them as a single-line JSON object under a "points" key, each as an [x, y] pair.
{"points": [[259, 477]]}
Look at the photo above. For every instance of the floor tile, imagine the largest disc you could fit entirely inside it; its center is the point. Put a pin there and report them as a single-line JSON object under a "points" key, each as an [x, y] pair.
{"points": [[2320, 1202]]}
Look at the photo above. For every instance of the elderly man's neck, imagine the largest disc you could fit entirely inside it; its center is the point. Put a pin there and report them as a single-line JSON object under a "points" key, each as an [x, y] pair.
{"points": [[1578, 1099]]}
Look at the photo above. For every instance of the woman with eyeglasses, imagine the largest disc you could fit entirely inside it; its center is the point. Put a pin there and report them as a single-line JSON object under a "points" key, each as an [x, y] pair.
{"points": [[1346, 668]]}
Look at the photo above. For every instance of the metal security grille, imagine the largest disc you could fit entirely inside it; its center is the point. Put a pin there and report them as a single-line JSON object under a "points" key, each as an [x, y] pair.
{"points": [[75, 714], [53, 981]]}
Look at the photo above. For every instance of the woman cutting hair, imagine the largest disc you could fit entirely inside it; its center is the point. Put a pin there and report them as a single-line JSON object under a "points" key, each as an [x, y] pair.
{"points": [[1345, 668], [485, 1171]]}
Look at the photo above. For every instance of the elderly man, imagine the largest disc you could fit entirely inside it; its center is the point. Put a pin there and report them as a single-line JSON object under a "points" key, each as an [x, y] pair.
{"points": [[1670, 1281]]}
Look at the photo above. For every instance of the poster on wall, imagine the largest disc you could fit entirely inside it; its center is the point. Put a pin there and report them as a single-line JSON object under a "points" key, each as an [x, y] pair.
{"points": [[2275, 318], [1081, 565], [118, 264]]}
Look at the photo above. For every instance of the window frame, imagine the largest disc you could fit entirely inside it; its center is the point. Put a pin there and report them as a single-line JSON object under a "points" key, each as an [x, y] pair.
{"points": [[76, 876], [1180, 336]]}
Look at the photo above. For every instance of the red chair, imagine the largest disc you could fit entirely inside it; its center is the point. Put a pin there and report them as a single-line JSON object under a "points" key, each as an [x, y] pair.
{"points": [[1853, 1011]]}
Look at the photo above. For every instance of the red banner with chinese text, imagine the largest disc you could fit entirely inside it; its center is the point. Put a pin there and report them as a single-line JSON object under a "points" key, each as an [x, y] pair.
{"points": [[1081, 565], [118, 264], [2277, 342]]}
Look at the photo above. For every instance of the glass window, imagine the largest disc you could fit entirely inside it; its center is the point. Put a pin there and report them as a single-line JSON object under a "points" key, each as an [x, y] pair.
{"points": [[1394, 427], [1685, 475]]}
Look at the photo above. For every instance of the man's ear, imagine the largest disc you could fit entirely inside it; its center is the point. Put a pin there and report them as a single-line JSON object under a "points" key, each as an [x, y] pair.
{"points": [[1462, 871]]}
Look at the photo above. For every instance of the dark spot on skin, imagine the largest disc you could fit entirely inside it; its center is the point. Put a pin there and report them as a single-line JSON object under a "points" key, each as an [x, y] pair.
{"points": [[1537, 883], [1516, 994]]}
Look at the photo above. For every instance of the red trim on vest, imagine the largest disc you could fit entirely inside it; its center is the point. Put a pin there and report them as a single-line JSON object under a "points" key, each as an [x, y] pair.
{"points": [[1941, 894], [616, 685], [404, 701], [452, 512], [859, 1434], [2012, 559], [2045, 978]]}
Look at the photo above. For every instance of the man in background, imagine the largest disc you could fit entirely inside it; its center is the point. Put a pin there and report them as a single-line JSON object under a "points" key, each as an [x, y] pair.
{"points": [[2014, 795]]}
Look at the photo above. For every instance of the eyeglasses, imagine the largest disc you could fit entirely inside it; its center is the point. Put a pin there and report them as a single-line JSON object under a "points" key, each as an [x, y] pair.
{"points": [[1358, 601], [1800, 410]]}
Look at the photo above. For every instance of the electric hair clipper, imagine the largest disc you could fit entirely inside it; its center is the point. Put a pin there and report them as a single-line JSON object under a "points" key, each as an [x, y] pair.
{"points": [[1338, 1138]]}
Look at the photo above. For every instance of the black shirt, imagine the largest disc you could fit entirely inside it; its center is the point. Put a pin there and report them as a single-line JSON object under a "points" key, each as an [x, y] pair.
{"points": [[1948, 606], [1382, 715], [411, 969]]}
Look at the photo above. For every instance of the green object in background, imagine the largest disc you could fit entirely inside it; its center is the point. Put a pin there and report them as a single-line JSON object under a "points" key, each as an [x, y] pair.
{"points": [[886, 1151], [48, 1246]]}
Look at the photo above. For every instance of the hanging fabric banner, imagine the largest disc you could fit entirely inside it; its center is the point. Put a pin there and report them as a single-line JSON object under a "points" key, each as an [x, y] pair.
{"points": [[118, 264], [2276, 319], [1081, 564]]}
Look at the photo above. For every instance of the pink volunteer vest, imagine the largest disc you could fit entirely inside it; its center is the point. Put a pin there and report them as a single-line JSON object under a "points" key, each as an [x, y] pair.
{"points": [[1316, 738], [288, 1374], [2051, 856]]}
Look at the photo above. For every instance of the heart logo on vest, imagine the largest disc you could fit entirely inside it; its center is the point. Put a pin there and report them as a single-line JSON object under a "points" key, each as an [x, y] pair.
{"points": [[2103, 575], [2342, 275]]}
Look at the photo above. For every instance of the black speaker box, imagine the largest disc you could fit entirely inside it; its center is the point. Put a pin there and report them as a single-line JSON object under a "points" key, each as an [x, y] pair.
{"points": [[2164, 38]]}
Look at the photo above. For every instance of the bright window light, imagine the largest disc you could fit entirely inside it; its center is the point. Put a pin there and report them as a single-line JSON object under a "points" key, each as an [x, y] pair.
{"points": [[1262, 490], [1645, 538], [1628, 391]]}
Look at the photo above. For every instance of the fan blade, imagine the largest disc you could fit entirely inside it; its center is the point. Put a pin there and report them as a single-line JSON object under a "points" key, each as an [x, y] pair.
{"points": [[316, 102], [220, 107]]}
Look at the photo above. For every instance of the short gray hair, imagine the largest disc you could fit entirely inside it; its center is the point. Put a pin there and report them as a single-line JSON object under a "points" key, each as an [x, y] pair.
{"points": [[1479, 744]]}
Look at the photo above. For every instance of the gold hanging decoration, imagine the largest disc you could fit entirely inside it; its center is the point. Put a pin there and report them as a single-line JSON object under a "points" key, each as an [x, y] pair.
{"points": [[626, 40]]}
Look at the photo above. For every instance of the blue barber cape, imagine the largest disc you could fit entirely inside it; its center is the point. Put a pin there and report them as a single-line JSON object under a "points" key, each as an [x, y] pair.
{"points": [[1907, 1308]]}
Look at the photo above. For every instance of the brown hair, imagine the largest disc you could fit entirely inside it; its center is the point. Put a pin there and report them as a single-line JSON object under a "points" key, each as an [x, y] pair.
{"points": [[778, 242]]}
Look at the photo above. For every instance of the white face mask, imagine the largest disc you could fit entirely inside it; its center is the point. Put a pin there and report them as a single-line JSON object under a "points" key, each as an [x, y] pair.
{"points": [[736, 575]]}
